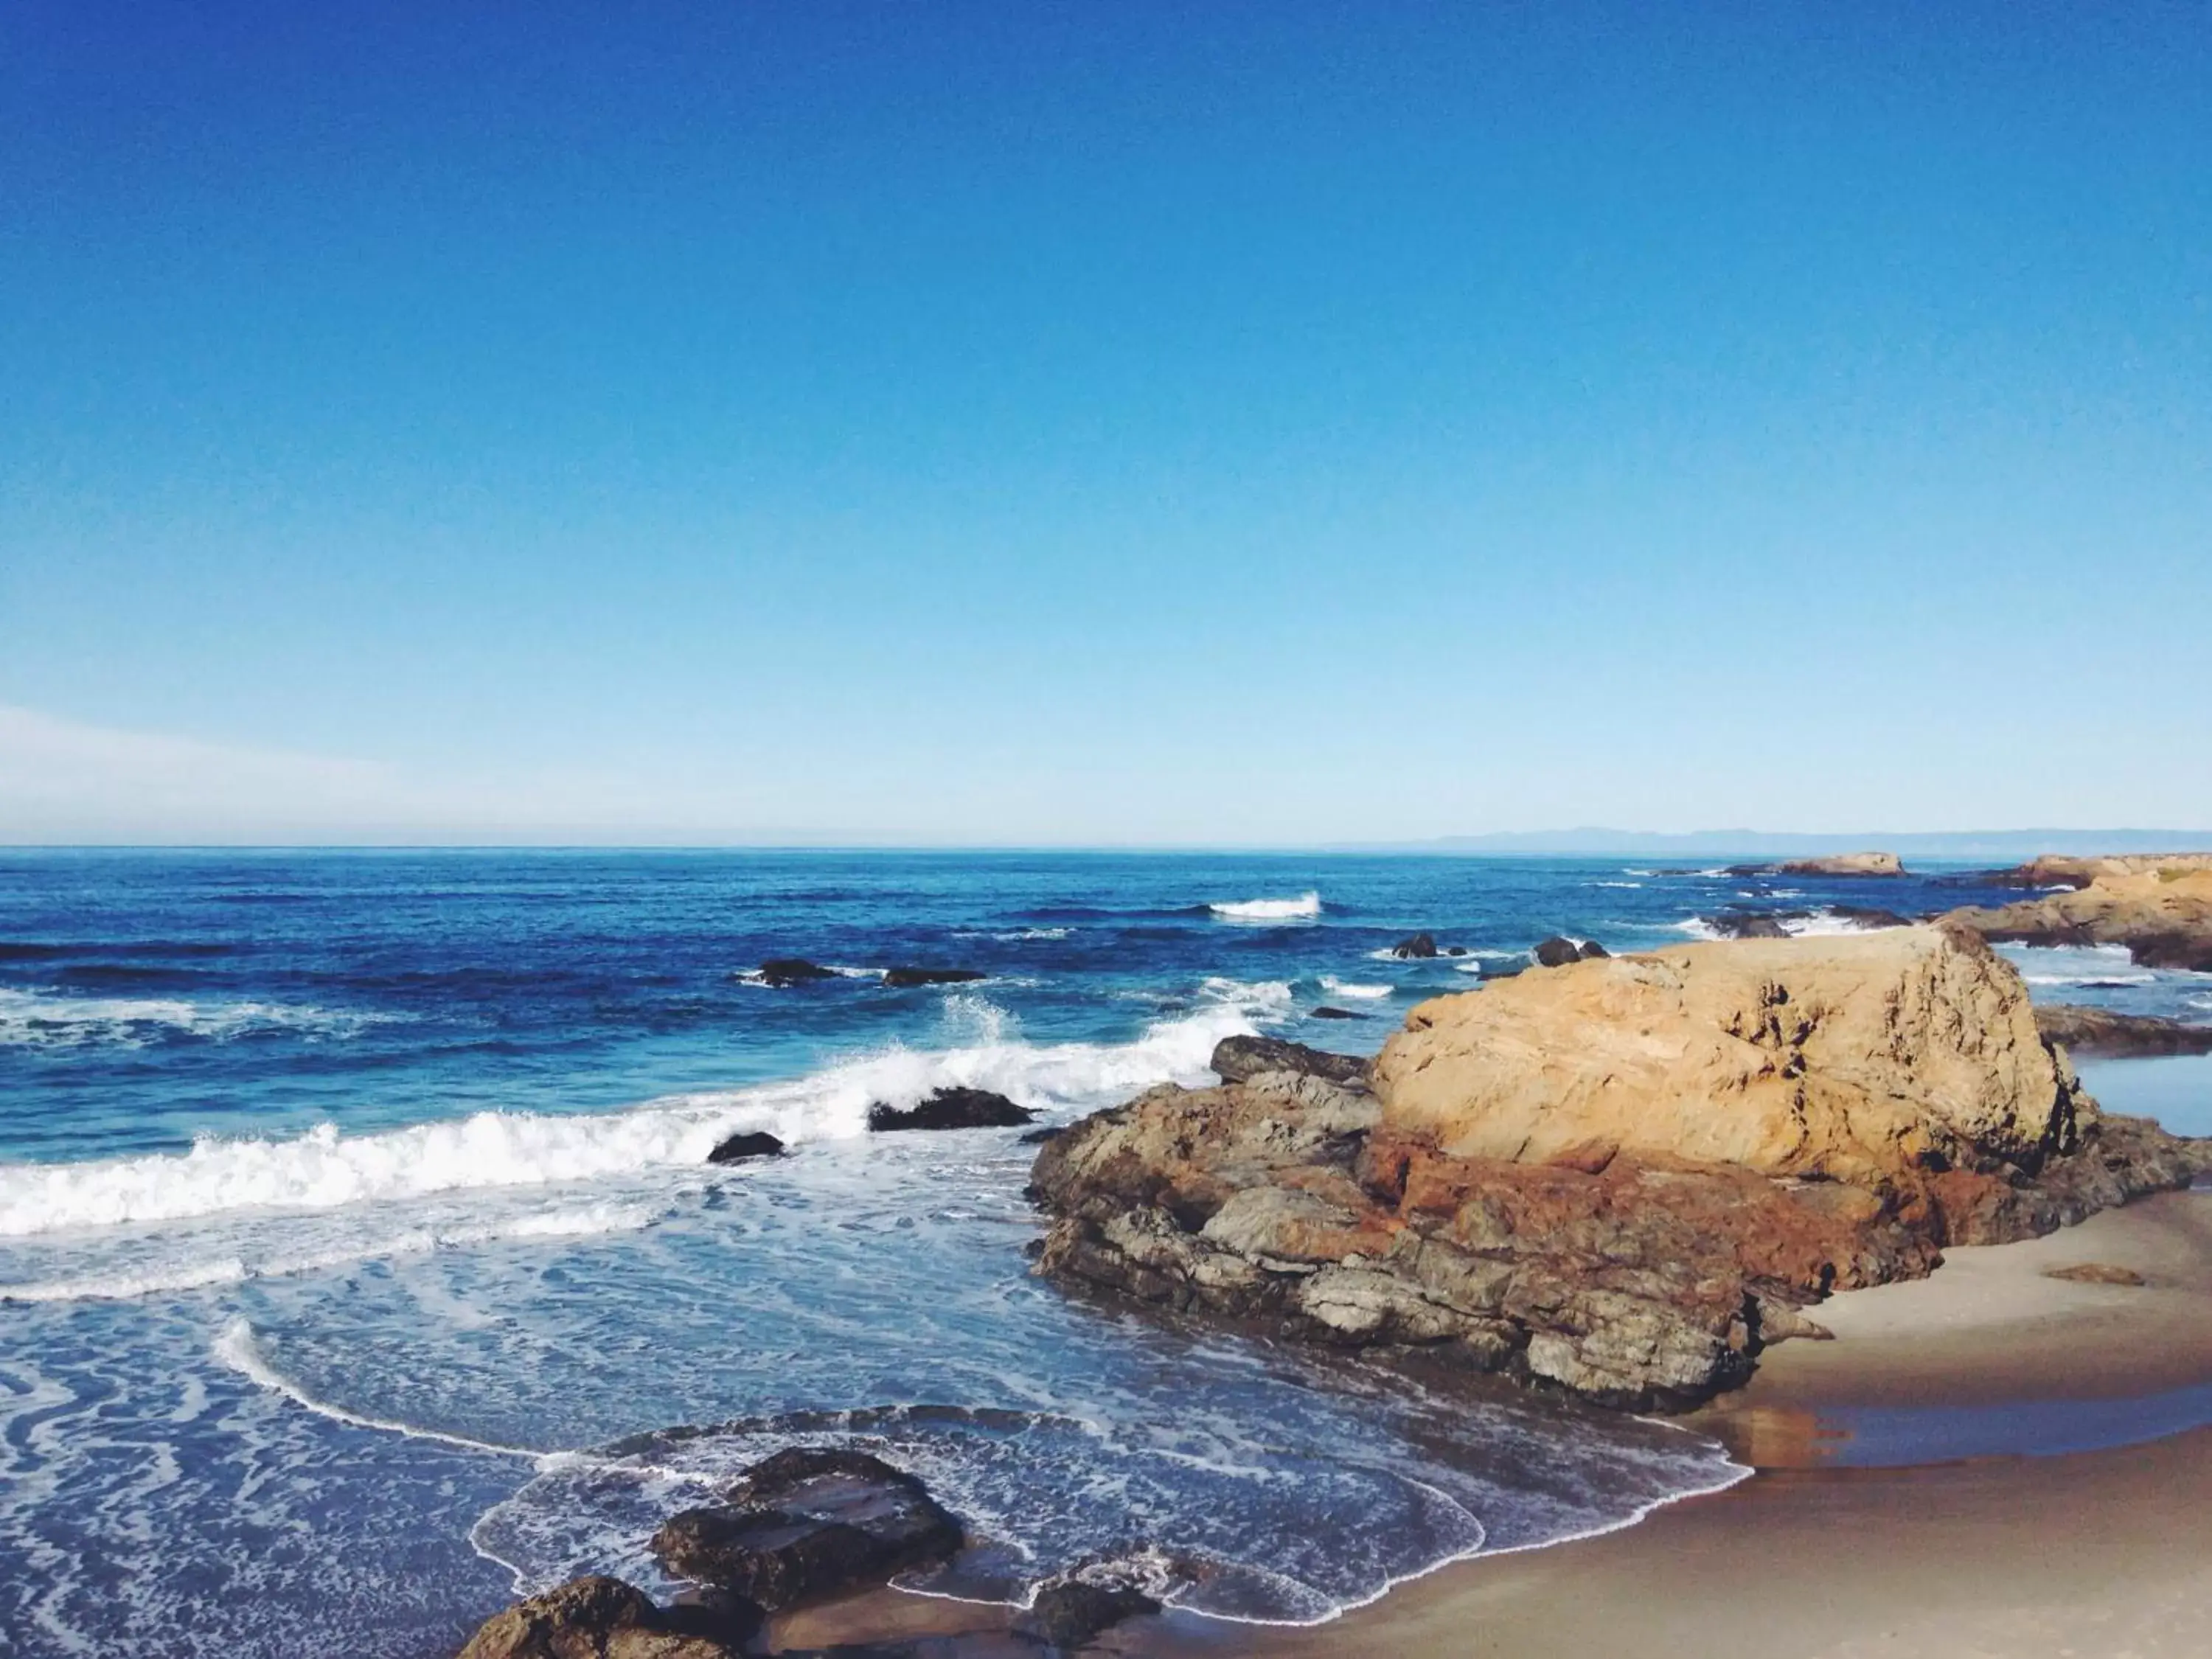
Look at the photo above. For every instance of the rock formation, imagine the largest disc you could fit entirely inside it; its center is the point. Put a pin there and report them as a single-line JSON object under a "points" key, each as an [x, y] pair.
{"points": [[1417, 947], [1620, 1177], [952, 1108], [1845, 863], [601, 1618], [783, 972], [2160, 909], [740, 1148], [900, 979], [806, 1525], [1235, 1058], [2100, 1032]]}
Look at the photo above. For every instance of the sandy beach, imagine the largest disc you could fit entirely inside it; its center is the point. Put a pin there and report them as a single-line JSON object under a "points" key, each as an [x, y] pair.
{"points": [[2102, 1552]]}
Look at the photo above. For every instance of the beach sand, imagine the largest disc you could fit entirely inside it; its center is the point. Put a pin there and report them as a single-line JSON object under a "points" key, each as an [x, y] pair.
{"points": [[2100, 1553]]}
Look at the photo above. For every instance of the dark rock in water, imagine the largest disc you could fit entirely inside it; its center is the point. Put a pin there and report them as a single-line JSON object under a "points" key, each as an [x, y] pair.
{"points": [[1038, 1137], [1868, 916], [1455, 949], [806, 1525], [738, 1148], [782, 972], [1557, 952], [952, 1109], [1592, 950], [1070, 1609], [1327, 1012], [1500, 969], [1420, 945], [2100, 1032], [907, 978], [1747, 924], [588, 1618], [1236, 1058]]}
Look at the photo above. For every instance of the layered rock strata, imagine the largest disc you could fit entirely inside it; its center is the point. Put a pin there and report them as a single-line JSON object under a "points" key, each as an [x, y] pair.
{"points": [[1619, 1177]]}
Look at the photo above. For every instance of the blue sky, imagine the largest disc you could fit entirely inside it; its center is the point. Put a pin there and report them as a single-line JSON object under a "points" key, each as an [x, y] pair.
{"points": [[1035, 422]]}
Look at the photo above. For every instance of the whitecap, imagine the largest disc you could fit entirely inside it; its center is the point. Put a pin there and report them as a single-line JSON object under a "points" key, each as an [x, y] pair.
{"points": [[1344, 988], [56, 1019], [1270, 909]]}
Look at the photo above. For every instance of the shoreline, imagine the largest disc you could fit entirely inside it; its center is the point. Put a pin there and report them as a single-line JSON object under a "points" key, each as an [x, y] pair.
{"points": [[2011, 1546]]}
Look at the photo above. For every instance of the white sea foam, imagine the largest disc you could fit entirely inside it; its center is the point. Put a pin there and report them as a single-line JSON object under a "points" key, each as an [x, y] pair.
{"points": [[575, 1221], [1824, 923], [1698, 928], [55, 1019], [1269, 909], [325, 1169], [1368, 993], [1616, 884]]}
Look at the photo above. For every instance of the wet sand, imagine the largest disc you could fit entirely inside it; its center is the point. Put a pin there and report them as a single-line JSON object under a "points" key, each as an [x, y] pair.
{"points": [[2015, 1550]]}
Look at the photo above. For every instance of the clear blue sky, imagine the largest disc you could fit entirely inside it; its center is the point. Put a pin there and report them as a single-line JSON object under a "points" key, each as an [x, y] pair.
{"points": [[1102, 422]]}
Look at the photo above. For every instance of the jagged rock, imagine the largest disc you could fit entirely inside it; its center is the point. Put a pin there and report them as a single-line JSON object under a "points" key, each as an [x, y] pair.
{"points": [[601, 1618], [952, 1108], [2160, 909], [808, 1524], [2100, 1032], [904, 979], [783, 972], [1237, 1058], [1620, 1178], [739, 1147], [1419, 946]]}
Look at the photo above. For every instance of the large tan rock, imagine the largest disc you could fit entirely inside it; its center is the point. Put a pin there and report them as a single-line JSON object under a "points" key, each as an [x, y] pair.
{"points": [[1846, 864], [2159, 908], [1863, 1058]]}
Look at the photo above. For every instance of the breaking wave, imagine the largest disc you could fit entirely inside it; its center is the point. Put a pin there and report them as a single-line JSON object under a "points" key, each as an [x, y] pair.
{"points": [[1269, 909], [1336, 986], [327, 1168]]}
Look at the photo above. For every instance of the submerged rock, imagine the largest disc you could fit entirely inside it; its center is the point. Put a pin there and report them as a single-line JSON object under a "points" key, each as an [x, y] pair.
{"points": [[806, 1525], [602, 1618], [2100, 1032], [1237, 1058], [738, 1148], [952, 1108], [1622, 1177], [783, 972], [907, 978], [1324, 1012]]}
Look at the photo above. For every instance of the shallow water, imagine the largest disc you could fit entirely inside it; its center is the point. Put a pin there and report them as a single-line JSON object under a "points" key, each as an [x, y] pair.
{"points": [[361, 1257]]}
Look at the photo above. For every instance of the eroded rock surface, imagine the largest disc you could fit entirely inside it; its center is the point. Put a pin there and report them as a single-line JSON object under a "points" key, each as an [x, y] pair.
{"points": [[1619, 1177], [951, 1108]]}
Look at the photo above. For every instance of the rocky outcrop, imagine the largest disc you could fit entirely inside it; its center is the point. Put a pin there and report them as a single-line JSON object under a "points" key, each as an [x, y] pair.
{"points": [[1558, 952], [806, 1525], [1418, 947], [1071, 1607], [2160, 908], [952, 1108], [1621, 1177], [1238, 1058], [601, 1618], [2102, 1032], [741, 1148], [1738, 922], [1845, 863], [782, 972]]}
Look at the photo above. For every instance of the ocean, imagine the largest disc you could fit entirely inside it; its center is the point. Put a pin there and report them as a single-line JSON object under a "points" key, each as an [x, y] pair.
{"points": [[361, 1266]]}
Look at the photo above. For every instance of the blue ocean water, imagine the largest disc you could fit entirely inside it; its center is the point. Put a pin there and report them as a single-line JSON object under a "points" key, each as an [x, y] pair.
{"points": [[361, 1266]]}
